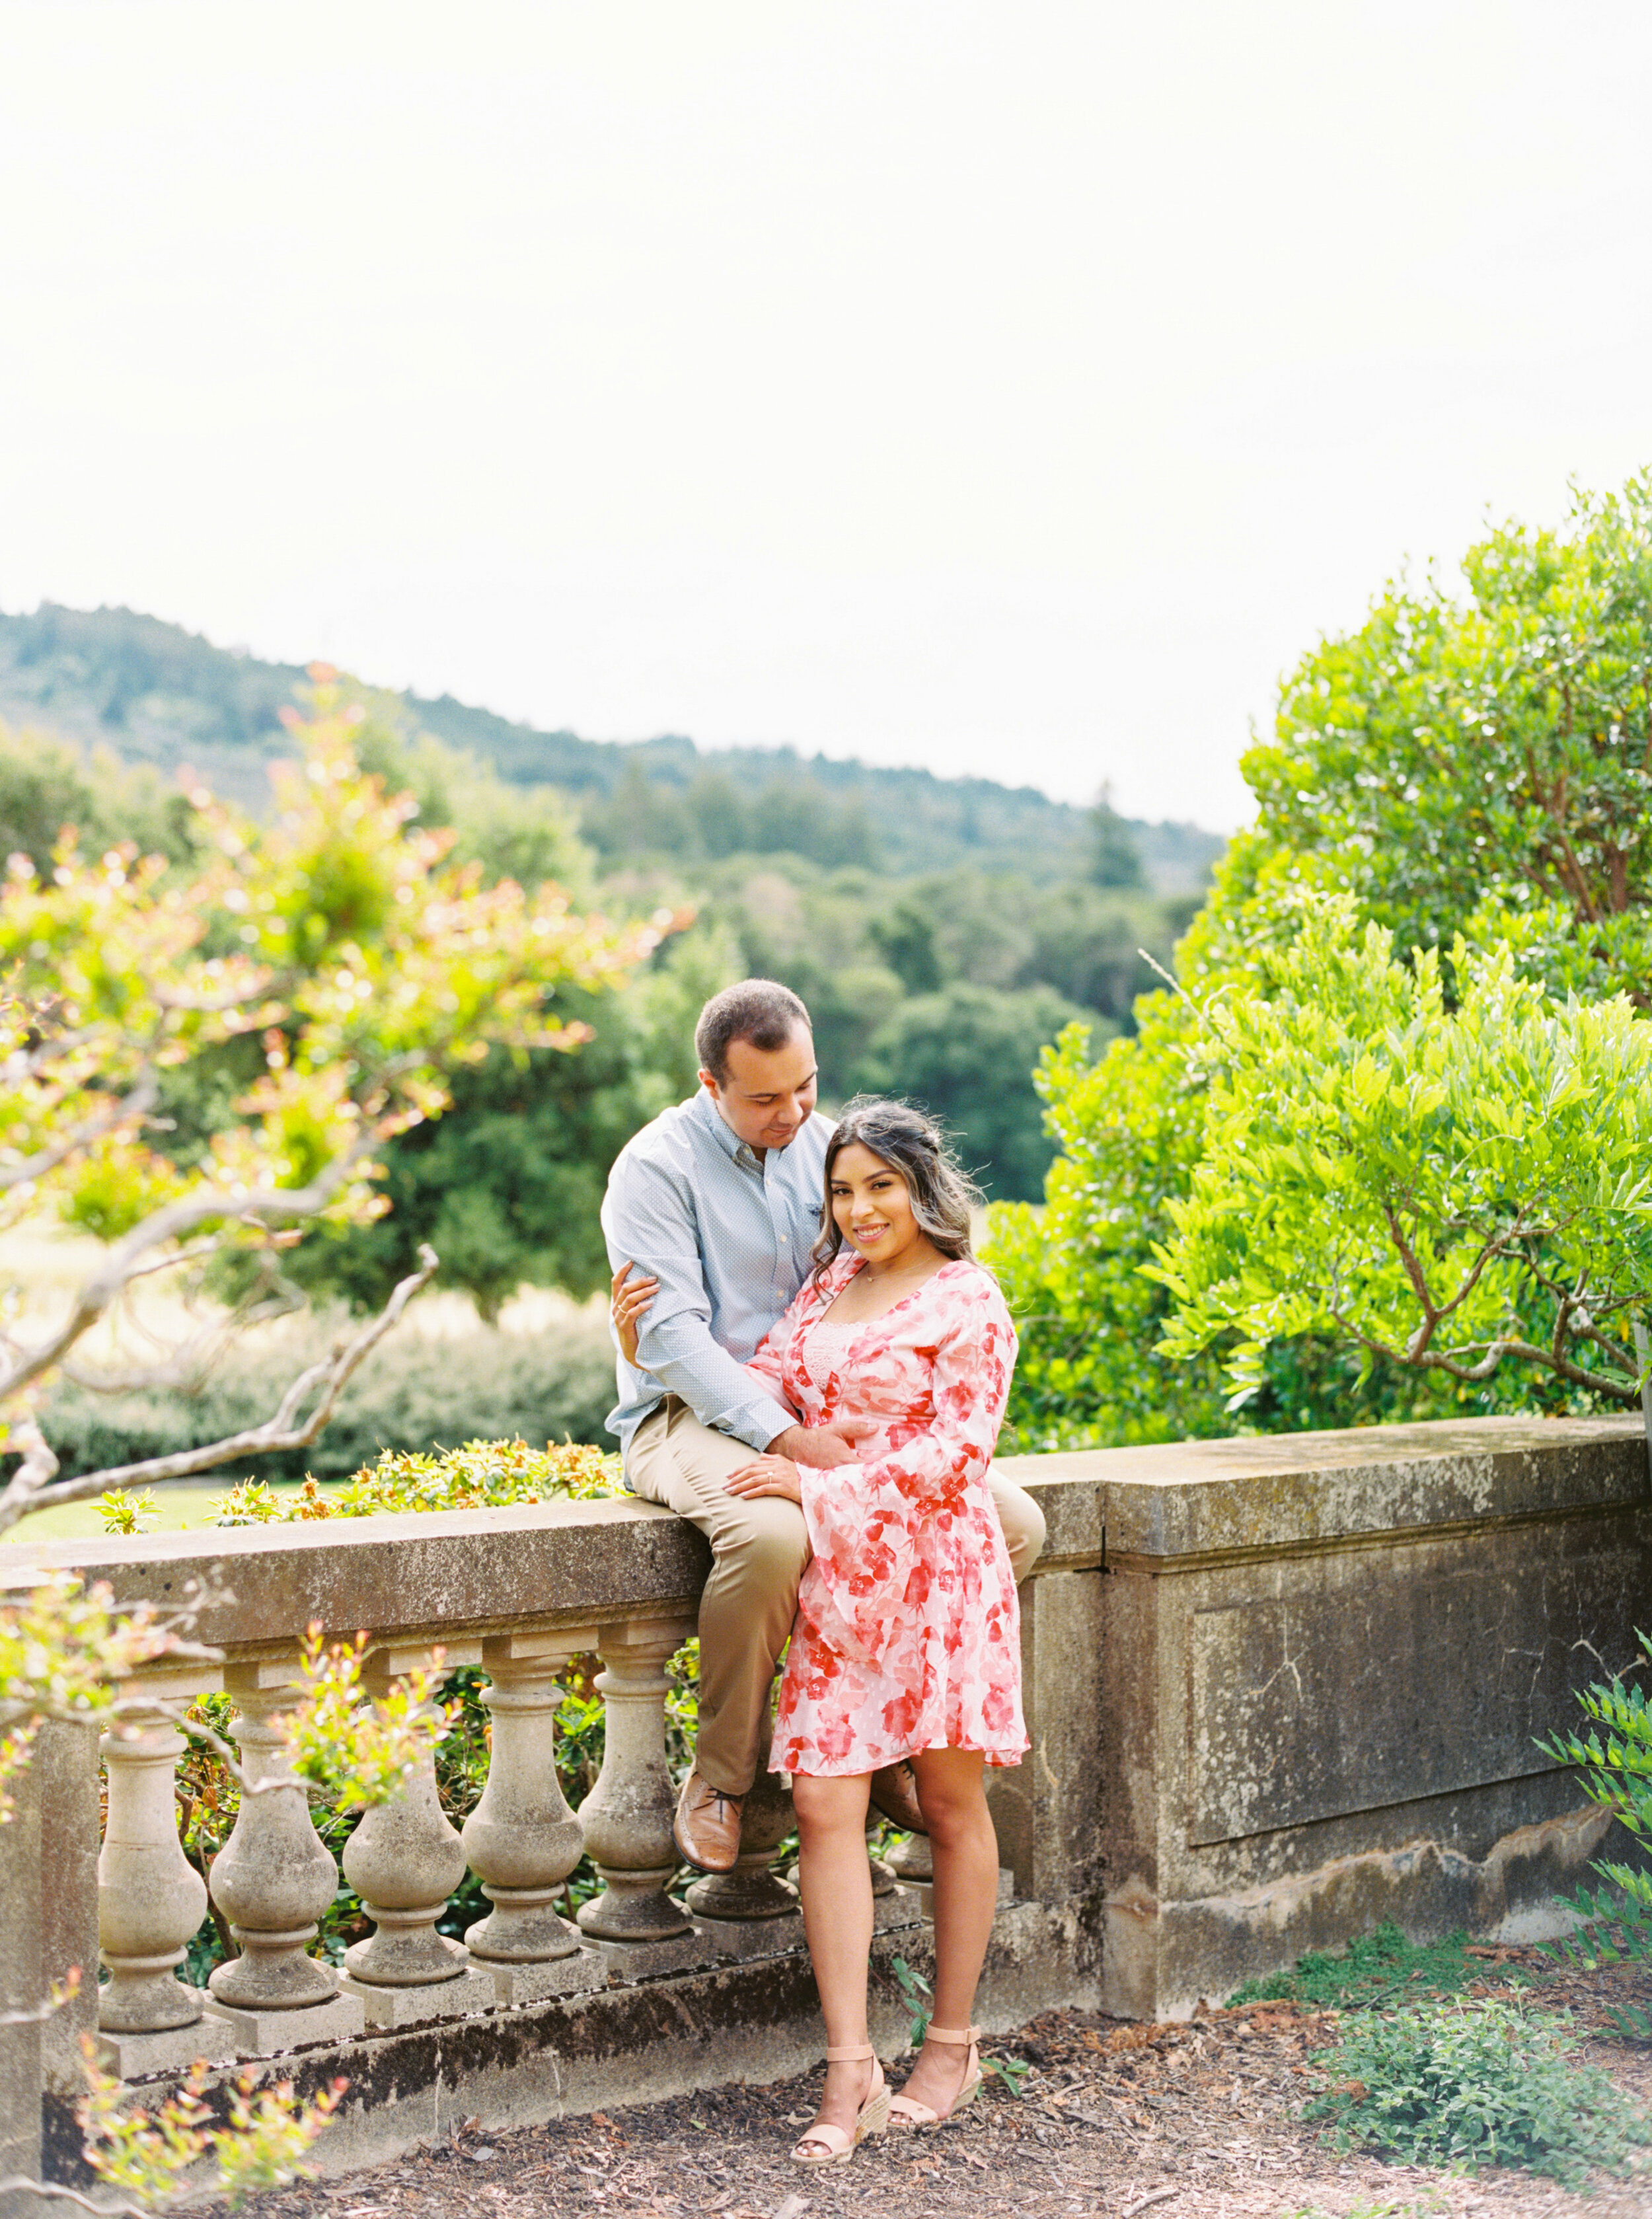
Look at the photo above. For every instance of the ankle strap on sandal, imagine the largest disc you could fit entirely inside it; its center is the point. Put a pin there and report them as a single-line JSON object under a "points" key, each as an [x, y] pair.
{"points": [[962, 2034], [850, 2054]]}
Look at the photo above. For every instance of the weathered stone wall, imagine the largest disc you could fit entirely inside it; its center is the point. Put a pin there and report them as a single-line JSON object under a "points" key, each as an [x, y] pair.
{"points": [[1311, 1672], [1276, 1690]]}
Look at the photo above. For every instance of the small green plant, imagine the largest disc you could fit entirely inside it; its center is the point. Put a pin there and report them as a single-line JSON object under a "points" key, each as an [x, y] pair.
{"points": [[915, 1994], [1375, 1967], [1012, 2071], [150, 2153], [128, 1512], [350, 1752], [1615, 1762], [1471, 2086], [482, 1475]]}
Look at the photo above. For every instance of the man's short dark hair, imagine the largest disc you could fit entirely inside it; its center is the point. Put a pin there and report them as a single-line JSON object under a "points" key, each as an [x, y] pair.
{"points": [[759, 1011]]}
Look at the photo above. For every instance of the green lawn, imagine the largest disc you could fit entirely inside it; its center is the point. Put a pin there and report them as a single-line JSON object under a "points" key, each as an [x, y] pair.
{"points": [[181, 1502]]}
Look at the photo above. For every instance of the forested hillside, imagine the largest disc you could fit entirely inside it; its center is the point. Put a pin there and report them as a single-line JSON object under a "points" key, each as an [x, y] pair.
{"points": [[942, 932], [156, 693]]}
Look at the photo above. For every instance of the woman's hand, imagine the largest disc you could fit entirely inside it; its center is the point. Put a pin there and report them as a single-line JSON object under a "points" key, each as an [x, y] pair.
{"points": [[626, 1308], [767, 1475]]}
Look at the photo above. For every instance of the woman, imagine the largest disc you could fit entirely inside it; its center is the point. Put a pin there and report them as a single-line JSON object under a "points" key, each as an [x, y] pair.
{"points": [[907, 1639]]}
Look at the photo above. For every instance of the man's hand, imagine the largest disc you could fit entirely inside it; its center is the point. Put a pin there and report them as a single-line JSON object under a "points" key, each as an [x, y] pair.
{"points": [[821, 1447], [767, 1475]]}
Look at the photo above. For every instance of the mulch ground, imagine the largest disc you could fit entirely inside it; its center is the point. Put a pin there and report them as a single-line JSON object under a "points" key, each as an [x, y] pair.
{"points": [[1185, 2121]]}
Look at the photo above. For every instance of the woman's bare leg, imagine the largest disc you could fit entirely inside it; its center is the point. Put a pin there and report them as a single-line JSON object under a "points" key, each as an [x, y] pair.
{"points": [[965, 1850], [836, 1884]]}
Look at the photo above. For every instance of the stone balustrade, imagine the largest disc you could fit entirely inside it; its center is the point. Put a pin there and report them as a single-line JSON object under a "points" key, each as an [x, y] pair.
{"points": [[519, 1593], [1276, 1690]]}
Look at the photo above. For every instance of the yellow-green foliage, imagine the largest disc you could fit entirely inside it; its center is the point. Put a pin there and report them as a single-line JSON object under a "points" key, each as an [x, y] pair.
{"points": [[1450, 1187], [158, 2155], [1479, 765], [480, 1475]]}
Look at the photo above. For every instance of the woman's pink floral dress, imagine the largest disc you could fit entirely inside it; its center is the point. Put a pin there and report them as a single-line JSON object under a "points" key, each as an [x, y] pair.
{"points": [[908, 1634]]}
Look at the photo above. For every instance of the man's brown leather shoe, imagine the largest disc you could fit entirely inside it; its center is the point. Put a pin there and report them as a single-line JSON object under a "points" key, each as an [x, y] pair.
{"points": [[706, 1828], [895, 1793]]}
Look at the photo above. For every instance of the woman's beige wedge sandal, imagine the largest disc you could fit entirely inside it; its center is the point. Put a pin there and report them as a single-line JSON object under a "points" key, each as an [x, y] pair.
{"points": [[825, 2144], [911, 2114]]}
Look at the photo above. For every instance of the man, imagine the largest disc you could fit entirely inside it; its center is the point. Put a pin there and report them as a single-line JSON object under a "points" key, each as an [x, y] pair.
{"points": [[717, 1203]]}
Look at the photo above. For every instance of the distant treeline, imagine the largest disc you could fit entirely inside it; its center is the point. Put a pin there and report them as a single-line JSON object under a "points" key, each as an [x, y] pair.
{"points": [[156, 693]]}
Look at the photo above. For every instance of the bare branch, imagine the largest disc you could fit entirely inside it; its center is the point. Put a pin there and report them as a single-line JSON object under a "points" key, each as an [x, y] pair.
{"points": [[37, 2014], [168, 1224], [138, 1104], [20, 2183], [208, 1245], [1495, 1350], [188, 1363], [284, 1430], [1413, 1271], [1495, 1245], [38, 1469]]}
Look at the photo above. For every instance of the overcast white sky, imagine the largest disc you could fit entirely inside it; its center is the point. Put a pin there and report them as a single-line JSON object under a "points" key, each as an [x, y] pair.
{"points": [[1014, 389]]}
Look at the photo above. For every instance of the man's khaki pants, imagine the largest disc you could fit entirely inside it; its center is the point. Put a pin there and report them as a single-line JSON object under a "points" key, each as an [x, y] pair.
{"points": [[759, 1548]]}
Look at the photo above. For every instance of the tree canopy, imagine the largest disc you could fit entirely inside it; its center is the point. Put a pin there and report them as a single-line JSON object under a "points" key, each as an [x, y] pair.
{"points": [[334, 969], [1470, 771]]}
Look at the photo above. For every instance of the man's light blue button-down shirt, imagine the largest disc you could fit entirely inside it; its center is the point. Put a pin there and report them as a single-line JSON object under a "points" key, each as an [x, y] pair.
{"points": [[727, 1233]]}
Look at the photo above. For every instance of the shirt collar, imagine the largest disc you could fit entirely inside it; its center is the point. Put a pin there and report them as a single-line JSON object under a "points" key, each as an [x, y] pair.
{"points": [[706, 1110]]}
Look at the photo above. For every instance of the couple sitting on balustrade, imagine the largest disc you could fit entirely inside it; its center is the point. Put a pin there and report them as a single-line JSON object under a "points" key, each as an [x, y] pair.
{"points": [[813, 1371]]}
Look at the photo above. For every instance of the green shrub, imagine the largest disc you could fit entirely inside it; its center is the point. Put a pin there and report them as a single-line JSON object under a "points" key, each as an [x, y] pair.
{"points": [[411, 1395], [1615, 1762], [1469, 2086], [479, 1475], [1373, 1967]]}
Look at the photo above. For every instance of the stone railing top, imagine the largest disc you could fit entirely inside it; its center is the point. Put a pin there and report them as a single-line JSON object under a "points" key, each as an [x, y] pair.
{"points": [[1193, 1499], [399, 1577], [566, 1564]]}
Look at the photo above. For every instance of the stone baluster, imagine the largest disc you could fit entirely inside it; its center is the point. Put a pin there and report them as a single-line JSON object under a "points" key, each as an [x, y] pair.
{"points": [[273, 1880], [913, 1867], [627, 1816], [751, 1912], [892, 1904], [912, 1860], [522, 1840], [404, 1860], [150, 1897]]}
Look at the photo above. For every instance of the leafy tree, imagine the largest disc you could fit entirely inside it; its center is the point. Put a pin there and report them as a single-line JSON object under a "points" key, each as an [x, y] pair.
{"points": [[507, 1186], [369, 971], [1114, 858], [1449, 749], [529, 835], [904, 936], [1452, 1189], [1449, 754], [45, 786], [1088, 944], [1090, 1322]]}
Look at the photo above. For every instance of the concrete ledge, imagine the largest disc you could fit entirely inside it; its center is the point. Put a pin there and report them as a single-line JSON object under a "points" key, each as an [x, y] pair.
{"points": [[450, 1576], [758, 2022], [1286, 1491], [1164, 1959]]}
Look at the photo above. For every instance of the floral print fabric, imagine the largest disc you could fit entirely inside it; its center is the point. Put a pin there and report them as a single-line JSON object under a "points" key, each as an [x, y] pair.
{"points": [[908, 1632]]}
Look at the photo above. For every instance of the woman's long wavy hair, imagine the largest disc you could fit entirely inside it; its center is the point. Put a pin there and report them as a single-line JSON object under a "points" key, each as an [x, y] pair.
{"points": [[943, 1195]]}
